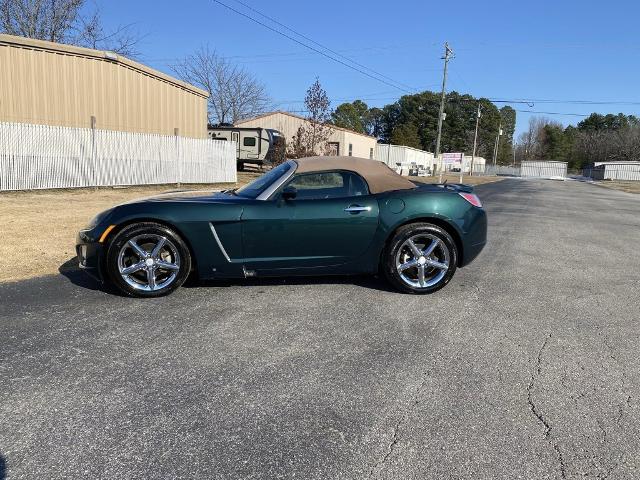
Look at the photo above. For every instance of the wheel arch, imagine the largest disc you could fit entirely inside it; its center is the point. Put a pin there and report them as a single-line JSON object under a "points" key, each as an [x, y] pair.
{"points": [[132, 221], [439, 222]]}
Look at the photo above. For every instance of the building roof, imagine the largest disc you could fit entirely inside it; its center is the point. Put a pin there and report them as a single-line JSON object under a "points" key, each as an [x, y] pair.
{"points": [[404, 147], [61, 48], [268, 114], [378, 175], [619, 162]]}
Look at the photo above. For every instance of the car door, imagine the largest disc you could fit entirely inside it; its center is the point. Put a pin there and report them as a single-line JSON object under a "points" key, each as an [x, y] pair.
{"points": [[331, 221]]}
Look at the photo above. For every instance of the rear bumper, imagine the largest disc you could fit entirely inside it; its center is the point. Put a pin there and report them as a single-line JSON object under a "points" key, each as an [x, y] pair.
{"points": [[472, 252], [476, 237], [89, 255]]}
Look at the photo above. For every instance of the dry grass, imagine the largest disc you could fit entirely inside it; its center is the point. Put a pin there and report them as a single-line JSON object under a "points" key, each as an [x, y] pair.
{"points": [[475, 180], [629, 187], [39, 227]]}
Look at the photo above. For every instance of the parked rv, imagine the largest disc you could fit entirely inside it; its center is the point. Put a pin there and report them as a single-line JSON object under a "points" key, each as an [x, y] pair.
{"points": [[254, 145]]}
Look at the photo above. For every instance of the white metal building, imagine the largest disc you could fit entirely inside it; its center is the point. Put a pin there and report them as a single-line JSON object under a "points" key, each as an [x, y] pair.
{"points": [[341, 141], [402, 157], [616, 171], [544, 169], [399, 156]]}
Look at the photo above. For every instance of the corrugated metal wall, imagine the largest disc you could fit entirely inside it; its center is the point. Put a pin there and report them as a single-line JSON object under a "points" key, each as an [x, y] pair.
{"points": [[289, 124], [53, 84], [393, 155], [542, 169], [625, 171]]}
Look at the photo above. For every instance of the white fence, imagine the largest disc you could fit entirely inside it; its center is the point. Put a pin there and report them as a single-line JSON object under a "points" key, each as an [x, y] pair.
{"points": [[40, 156]]}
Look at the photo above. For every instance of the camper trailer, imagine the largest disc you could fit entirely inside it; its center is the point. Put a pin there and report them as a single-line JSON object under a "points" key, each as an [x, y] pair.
{"points": [[254, 145]]}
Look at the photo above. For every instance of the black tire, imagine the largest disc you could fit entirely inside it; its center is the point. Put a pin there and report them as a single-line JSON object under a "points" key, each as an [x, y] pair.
{"points": [[445, 253], [174, 254]]}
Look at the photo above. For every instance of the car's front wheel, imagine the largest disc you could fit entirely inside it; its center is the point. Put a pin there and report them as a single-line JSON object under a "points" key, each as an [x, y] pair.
{"points": [[147, 260], [420, 258]]}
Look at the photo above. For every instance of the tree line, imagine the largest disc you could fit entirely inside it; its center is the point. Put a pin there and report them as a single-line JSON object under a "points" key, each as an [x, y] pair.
{"points": [[413, 121], [597, 138]]}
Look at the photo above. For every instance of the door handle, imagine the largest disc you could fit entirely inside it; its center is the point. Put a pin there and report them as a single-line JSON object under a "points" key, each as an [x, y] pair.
{"points": [[357, 209]]}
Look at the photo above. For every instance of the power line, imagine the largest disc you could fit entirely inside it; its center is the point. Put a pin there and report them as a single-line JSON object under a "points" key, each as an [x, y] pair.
{"points": [[364, 98], [296, 55], [319, 44], [573, 102], [554, 113], [310, 47]]}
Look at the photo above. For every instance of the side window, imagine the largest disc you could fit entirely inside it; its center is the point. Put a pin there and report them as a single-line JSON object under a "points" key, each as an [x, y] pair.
{"points": [[317, 186], [249, 141], [351, 150], [357, 185]]}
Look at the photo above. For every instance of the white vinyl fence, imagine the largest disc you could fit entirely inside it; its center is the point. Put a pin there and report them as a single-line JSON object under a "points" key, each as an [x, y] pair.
{"points": [[41, 156]]}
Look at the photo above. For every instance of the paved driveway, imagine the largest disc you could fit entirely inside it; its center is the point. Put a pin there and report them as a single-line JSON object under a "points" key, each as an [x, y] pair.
{"points": [[525, 366]]}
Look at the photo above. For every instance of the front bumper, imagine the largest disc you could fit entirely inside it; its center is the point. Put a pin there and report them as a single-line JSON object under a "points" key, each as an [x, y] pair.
{"points": [[90, 254]]}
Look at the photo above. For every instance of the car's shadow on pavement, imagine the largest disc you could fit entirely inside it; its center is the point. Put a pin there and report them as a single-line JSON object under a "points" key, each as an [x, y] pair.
{"points": [[76, 276], [365, 281], [70, 270]]}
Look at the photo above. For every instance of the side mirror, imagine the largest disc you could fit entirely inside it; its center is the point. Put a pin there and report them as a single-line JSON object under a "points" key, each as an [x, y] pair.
{"points": [[289, 193]]}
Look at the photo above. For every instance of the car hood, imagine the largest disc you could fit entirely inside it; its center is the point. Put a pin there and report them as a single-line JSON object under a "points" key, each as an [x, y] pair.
{"points": [[188, 196]]}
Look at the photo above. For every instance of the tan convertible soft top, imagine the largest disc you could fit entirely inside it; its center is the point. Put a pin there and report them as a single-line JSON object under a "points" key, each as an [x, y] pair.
{"points": [[379, 177]]}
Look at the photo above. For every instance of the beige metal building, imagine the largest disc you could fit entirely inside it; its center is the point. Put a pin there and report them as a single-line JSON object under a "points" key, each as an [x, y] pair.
{"points": [[341, 140], [54, 84]]}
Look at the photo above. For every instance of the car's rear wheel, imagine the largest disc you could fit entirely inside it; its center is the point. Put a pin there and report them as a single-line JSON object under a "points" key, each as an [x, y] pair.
{"points": [[147, 260], [420, 258]]}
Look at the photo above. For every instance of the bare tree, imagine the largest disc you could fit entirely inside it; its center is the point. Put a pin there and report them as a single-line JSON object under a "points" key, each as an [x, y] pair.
{"points": [[609, 145], [123, 40], [65, 21], [531, 142], [234, 93], [311, 138]]}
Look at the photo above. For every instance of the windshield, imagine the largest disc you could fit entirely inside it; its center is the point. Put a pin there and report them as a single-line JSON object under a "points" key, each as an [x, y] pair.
{"points": [[260, 184]]}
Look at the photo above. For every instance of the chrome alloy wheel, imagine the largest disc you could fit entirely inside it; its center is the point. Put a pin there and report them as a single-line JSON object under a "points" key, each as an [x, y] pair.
{"points": [[422, 260], [148, 262]]}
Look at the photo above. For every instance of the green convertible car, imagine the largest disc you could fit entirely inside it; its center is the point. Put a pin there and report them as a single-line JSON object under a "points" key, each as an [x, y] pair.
{"points": [[312, 216]]}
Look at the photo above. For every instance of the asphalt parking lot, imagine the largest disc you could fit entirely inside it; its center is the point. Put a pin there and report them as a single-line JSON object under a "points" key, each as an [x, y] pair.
{"points": [[525, 366]]}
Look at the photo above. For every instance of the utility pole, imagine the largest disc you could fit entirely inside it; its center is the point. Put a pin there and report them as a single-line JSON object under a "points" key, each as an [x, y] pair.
{"points": [[495, 150], [475, 140], [447, 55]]}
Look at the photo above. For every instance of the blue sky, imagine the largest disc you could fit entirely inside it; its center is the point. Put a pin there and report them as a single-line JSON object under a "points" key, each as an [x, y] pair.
{"points": [[548, 50]]}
